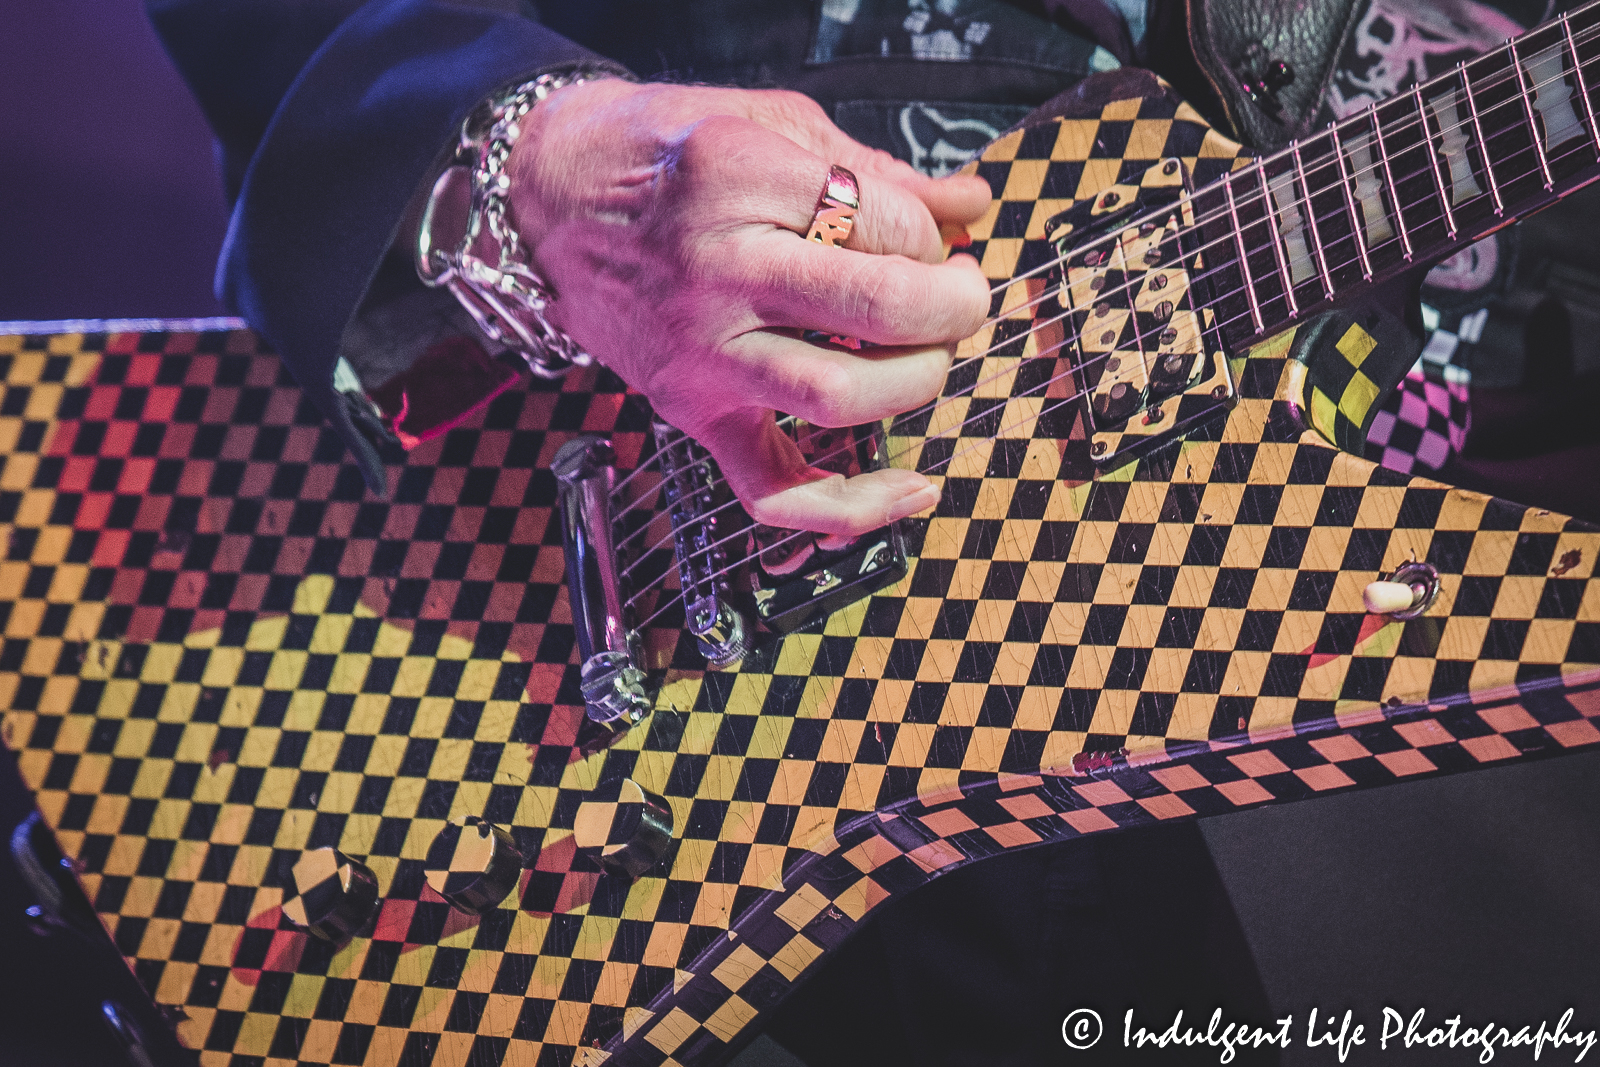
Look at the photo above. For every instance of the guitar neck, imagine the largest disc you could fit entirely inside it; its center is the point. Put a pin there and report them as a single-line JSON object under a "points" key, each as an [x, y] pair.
{"points": [[1406, 182]]}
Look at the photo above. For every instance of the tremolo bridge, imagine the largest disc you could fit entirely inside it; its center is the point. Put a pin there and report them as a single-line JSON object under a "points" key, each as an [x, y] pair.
{"points": [[1131, 279], [672, 540]]}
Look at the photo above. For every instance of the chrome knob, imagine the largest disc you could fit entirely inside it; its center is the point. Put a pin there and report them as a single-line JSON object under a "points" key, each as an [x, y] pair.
{"points": [[330, 894], [473, 865], [628, 835]]}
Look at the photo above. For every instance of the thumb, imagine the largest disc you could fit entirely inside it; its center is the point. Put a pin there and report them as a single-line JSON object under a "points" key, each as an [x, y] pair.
{"points": [[773, 482]]}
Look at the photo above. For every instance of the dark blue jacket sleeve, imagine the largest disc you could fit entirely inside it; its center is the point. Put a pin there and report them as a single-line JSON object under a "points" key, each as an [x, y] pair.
{"points": [[342, 112]]}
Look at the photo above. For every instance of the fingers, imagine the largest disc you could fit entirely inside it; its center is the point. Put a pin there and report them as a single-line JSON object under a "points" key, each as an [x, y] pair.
{"points": [[771, 478], [887, 286], [888, 300], [828, 386], [901, 211], [890, 221], [780, 179], [959, 198], [847, 507]]}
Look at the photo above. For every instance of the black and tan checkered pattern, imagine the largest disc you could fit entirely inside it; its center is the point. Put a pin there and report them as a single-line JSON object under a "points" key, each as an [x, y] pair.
{"points": [[219, 653]]}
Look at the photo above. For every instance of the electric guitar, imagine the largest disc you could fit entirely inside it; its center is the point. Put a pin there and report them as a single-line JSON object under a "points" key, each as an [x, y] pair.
{"points": [[414, 782]]}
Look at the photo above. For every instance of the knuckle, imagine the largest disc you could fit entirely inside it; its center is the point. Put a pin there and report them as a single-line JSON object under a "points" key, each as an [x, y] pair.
{"points": [[765, 511], [928, 380], [888, 293], [900, 225], [835, 402], [700, 148], [796, 107], [823, 391]]}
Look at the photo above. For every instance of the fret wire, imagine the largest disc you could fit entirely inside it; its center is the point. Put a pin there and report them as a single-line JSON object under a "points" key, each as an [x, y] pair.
{"points": [[1433, 165], [1527, 109], [1311, 220], [1388, 179], [1224, 323], [1350, 202], [1244, 259], [1227, 188], [1586, 36], [1577, 76], [1277, 241], [1483, 145]]}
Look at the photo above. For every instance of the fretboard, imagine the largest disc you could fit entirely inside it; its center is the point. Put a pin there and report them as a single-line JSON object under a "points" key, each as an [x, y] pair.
{"points": [[1406, 182]]}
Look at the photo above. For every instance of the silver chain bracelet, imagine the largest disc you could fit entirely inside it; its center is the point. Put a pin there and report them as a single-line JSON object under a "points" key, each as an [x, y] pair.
{"points": [[507, 299]]}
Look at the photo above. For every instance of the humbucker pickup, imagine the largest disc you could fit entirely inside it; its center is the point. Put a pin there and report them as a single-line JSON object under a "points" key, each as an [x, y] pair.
{"points": [[1148, 354]]}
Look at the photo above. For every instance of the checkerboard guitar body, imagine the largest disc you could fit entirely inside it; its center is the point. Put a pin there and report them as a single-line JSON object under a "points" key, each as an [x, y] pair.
{"points": [[221, 654]]}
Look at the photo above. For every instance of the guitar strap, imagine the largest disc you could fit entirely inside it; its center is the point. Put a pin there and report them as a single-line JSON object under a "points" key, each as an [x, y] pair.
{"points": [[1271, 62]]}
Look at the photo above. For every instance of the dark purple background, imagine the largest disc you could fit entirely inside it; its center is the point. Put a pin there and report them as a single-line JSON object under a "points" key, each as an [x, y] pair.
{"points": [[109, 200]]}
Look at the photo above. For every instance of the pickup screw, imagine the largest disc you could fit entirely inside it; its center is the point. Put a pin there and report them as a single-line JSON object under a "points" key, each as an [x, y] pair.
{"points": [[1099, 448], [1170, 167], [1110, 200], [1220, 392]]}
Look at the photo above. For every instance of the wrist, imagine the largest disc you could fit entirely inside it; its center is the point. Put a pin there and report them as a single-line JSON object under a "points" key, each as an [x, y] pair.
{"points": [[467, 242], [561, 162]]}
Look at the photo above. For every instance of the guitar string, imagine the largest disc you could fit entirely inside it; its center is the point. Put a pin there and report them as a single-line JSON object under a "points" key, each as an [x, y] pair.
{"points": [[1413, 118], [938, 464], [1430, 164], [661, 581], [1405, 123], [1222, 324], [1220, 268], [1322, 163], [1408, 122]]}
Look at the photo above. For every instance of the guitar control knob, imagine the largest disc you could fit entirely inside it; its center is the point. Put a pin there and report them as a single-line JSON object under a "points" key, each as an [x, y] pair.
{"points": [[1409, 592], [473, 865], [628, 835], [330, 894]]}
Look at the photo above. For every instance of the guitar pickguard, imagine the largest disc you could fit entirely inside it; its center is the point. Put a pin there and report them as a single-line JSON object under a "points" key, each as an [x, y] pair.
{"points": [[220, 653]]}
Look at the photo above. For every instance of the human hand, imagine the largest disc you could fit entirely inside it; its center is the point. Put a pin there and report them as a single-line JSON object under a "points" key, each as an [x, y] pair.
{"points": [[669, 220]]}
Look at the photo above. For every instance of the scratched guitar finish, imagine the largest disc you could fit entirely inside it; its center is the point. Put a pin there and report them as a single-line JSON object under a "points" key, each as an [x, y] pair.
{"points": [[219, 653]]}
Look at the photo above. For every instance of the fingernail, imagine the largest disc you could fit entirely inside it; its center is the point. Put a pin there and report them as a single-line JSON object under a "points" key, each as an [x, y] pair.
{"points": [[921, 500], [955, 235]]}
